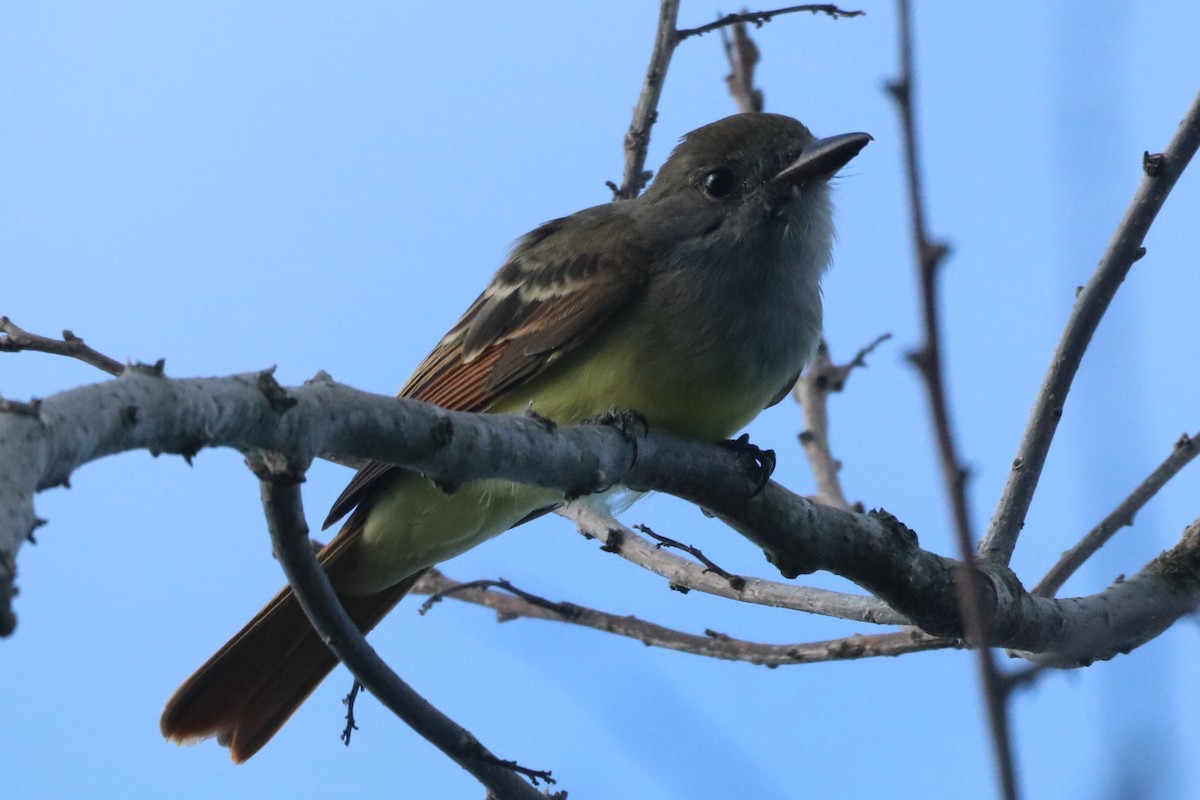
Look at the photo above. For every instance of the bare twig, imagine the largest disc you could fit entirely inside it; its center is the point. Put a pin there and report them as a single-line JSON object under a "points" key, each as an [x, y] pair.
{"points": [[820, 379], [16, 339], [510, 605], [812, 393], [348, 702], [930, 253], [289, 535], [928, 360], [1181, 455], [760, 18], [742, 54], [560, 609], [736, 582], [645, 113], [1161, 172], [685, 575]]}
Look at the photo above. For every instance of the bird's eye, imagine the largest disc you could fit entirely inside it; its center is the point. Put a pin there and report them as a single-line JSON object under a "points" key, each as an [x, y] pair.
{"points": [[719, 183]]}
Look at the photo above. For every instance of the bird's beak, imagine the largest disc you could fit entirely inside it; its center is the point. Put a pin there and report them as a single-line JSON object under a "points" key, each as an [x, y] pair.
{"points": [[821, 158]]}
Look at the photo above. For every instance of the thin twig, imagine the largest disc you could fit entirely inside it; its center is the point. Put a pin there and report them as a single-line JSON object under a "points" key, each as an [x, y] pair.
{"points": [[280, 487], [928, 360], [736, 582], [16, 339], [812, 393], [760, 18], [930, 253], [1161, 172], [645, 113], [348, 702], [563, 610], [1181, 455], [820, 379], [684, 575], [713, 645], [743, 56]]}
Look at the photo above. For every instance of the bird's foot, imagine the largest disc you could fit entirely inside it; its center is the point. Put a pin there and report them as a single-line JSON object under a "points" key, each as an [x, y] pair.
{"points": [[759, 463], [545, 422], [629, 423]]}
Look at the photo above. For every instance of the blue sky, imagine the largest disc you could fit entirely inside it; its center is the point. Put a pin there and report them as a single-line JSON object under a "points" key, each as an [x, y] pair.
{"points": [[230, 186]]}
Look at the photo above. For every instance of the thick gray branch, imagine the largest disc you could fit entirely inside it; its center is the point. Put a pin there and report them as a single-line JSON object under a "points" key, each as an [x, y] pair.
{"points": [[40, 446]]}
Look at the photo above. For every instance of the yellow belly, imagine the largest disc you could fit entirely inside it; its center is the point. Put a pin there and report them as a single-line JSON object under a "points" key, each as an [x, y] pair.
{"points": [[415, 524], [698, 395]]}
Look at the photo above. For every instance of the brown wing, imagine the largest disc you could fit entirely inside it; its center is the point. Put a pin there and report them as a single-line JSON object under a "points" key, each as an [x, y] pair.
{"points": [[540, 305]]}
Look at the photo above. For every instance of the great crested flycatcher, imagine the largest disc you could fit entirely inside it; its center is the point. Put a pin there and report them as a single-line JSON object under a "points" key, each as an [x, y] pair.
{"points": [[695, 305]]}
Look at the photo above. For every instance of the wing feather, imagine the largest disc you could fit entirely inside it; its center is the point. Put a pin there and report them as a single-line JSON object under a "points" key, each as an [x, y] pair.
{"points": [[537, 308]]}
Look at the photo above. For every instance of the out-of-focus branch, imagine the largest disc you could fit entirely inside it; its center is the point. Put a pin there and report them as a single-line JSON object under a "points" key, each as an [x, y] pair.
{"points": [[928, 360], [930, 253], [742, 54], [16, 339], [1181, 455], [1162, 170], [280, 483], [510, 603]]}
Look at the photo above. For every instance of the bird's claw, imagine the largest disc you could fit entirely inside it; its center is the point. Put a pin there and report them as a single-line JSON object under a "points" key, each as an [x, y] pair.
{"points": [[760, 463], [631, 425]]}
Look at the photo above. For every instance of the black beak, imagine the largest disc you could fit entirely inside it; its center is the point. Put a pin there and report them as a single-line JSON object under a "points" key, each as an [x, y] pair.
{"points": [[821, 158]]}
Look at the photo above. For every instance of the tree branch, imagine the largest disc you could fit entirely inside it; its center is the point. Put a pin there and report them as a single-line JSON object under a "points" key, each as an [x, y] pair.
{"points": [[711, 644], [645, 113], [683, 575], [1161, 172], [1181, 455], [822, 378], [742, 54], [760, 18], [930, 253], [16, 339], [280, 484], [928, 360], [144, 410]]}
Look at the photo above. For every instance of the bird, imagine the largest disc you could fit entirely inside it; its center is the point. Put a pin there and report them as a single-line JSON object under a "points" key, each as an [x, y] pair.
{"points": [[694, 306]]}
